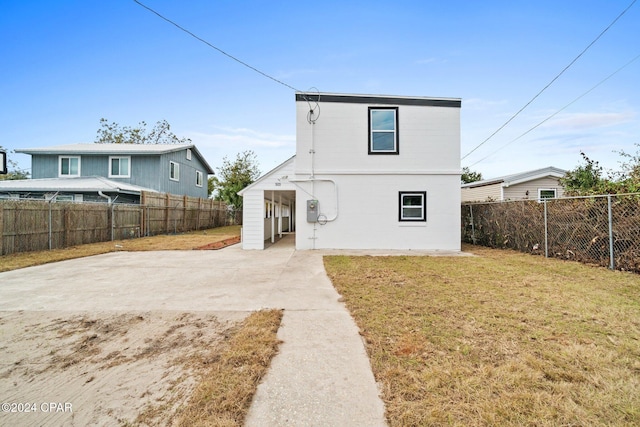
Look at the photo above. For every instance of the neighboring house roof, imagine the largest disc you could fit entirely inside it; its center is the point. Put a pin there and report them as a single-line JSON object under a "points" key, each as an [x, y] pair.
{"points": [[78, 184], [266, 175], [519, 178], [112, 149]]}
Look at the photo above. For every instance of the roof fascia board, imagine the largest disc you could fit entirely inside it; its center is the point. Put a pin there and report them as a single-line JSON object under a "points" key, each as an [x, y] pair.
{"points": [[106, 149], [117, 149], [378, 99]]}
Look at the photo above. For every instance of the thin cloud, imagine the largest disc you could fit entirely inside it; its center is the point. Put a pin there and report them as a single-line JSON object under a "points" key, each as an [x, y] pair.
{"points": [[589, 120], [243, 138]]}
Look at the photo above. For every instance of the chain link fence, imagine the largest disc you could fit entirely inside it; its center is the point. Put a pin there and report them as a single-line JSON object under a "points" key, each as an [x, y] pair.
{"points": [[603, 230], [32, 225]]}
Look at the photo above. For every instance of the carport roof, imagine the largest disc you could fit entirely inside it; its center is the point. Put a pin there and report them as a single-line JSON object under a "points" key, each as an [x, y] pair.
{"points": [[267, 175]]}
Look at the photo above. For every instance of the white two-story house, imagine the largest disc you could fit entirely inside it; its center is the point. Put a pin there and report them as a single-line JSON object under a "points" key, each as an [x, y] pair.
{"points": [[370, 172]]}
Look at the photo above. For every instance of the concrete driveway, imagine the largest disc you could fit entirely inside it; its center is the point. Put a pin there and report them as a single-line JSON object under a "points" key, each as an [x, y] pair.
{"points": [[321, 377]]}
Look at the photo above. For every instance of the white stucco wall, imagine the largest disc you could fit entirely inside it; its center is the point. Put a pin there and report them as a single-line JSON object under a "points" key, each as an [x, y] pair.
{"points": [[429, 140], [368, 186], [368, 209]]}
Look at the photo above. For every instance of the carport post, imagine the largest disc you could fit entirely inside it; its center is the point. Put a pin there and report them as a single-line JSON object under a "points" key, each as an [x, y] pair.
{"points": [[273, 219], [280, 216]]}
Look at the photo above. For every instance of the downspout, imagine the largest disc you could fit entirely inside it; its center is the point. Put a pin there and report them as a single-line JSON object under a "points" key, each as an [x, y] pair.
{"points": [[101, 194]]}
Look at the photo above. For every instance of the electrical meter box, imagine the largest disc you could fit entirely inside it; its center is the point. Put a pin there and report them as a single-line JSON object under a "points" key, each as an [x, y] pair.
{"points": [[312, 211]]}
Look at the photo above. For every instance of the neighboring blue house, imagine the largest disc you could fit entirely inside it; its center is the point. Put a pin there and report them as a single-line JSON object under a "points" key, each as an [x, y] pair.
{"points": [[98, 172]]}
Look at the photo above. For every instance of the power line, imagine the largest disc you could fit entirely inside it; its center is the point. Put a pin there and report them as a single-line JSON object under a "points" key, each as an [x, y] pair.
{"points": [[551, 82], [216, 48], [560, 110]]}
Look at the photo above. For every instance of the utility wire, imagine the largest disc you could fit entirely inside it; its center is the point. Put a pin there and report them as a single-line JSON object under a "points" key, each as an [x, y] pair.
{"points": [[551, 82], [216, 48], [560, 110]]}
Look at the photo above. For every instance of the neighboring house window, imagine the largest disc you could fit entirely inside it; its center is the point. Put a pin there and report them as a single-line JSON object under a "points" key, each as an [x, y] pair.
{"points": [[188, 153], [413, 206], [546, 193], [174, 171], [199, 178], [119, 167], [383, 131], [68, 166]]}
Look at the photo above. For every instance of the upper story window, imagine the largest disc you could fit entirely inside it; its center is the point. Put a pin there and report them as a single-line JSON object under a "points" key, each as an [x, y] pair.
{"points": [[119, 167], [413, 206], [68, 166], [383, 130], [199, 178], [174, 171]]}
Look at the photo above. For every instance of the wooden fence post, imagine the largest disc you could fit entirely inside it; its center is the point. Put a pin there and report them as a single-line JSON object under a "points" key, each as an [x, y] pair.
{"points": [[167, 203], [198, 214], [185, 200], [67, 226], [143, 217]]}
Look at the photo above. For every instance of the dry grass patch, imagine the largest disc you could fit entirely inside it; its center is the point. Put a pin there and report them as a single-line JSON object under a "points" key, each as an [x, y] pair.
{"points": [[224, 394], [156, 368], [502, 338], [185, 241]]}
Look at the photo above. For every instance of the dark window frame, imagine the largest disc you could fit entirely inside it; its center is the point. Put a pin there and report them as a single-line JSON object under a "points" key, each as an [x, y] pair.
{"points": [[423, 206], [396, 150]]}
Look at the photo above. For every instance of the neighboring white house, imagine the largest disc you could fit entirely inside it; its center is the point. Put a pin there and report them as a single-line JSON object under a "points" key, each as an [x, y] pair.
{"points": [[370, 172], [536, 184]]}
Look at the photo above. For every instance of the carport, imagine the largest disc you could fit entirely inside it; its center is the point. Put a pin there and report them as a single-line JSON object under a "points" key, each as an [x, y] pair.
{"points": [[279, 213], [268, 207]]}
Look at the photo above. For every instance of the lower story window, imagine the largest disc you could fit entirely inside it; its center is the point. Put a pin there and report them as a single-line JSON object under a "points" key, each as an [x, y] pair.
{"points": [[413, 206], [546, 193], [199, 178]]}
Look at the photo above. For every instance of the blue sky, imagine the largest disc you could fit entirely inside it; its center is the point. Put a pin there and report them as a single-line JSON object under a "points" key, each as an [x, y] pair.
{"points": [[67, 64]]}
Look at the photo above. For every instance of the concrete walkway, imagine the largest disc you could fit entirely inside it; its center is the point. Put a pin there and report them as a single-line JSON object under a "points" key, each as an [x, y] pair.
{"points": [[321, 376]]}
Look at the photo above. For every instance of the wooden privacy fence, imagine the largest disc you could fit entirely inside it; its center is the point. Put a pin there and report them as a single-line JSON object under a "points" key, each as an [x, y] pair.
{"points": [[32, 225], [602, 230]]}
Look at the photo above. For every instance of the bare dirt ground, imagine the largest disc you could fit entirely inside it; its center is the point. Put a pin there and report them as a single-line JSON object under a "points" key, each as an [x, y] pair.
{"points": [[104, 368]]}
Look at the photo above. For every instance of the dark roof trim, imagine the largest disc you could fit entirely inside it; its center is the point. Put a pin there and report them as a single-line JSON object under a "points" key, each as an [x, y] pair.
{"points": [[378, 99]]}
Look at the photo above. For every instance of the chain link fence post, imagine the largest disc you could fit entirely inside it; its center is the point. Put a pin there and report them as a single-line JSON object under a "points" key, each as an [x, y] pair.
{"points": [[611, 254], [546, 231], [473, 227]]}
